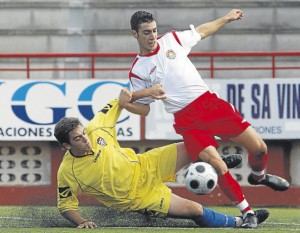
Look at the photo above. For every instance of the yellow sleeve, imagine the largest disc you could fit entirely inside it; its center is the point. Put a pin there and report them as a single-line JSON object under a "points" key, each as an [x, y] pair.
{"points": [[106, 117], [66, 198]]}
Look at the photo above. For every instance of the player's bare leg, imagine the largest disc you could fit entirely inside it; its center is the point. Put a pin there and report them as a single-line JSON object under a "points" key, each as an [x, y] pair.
{"points": [[183, 159], [257, 159]]}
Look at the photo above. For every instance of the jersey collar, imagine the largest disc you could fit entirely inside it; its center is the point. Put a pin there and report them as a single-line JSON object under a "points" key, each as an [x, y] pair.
{"points": [[152, 53], [90, 153]]}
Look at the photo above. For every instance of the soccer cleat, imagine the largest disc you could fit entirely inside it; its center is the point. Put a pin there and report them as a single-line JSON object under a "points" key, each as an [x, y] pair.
{"points": [[232, 160], [238, 220], [250, 221], [262, 215], [274, 182]]}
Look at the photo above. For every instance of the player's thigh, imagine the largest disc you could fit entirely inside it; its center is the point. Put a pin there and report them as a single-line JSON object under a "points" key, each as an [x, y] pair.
{"points": [[251, 140], [183, 158], [196, 141], [181, 207], [211, 156]]}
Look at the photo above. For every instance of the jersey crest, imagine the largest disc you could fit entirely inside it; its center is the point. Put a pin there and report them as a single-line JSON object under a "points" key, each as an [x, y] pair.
{"points": [[171, 54], [101, 141]]}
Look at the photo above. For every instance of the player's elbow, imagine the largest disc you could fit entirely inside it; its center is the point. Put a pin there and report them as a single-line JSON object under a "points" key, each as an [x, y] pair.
{"points": [[144, 113], [143, 109], [146, 110]]}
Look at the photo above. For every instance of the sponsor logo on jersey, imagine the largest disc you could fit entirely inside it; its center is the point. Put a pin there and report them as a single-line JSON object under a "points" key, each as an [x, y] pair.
{"points": [[97, 156], [152, 70], [101, 141], [161, 203], [171, 54], [64, 192], [106, 108]]}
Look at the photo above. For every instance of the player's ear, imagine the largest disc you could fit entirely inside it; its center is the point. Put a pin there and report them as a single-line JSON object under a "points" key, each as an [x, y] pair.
{"points": [[134, 34], [66, 146]]}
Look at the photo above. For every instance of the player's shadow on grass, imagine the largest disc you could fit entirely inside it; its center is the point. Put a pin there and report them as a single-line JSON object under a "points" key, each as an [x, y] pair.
{"points": [[48, 217]]}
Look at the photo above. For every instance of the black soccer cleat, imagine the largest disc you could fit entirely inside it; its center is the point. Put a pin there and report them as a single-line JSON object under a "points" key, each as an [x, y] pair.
{"points": [[262, 215], [252, 220], [232, 160], [274, 182]]}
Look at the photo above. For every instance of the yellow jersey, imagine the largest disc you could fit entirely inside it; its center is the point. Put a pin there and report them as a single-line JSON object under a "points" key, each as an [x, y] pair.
{"points": [[112, 174]]}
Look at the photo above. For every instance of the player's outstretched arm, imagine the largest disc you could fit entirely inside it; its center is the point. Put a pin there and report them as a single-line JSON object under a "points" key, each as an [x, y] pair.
{"points": [[155, 92], [127, 97], [125, 101], [74, 217], [210, 28]]}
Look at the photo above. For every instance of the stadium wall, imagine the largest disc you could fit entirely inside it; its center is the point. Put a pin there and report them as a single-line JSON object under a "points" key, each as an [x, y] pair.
{"points": [[279, 163]]}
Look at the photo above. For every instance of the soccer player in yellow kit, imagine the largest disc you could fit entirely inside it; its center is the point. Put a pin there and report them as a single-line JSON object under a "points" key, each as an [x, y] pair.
{"points": [[96, 165]]}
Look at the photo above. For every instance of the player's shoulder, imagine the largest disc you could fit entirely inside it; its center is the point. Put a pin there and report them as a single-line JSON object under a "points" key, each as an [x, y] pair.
{"points": [[167, 34], [171, 36], [64, 164]]}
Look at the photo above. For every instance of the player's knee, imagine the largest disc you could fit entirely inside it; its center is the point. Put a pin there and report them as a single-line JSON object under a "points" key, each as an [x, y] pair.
{"points": [[214, 159], [194, 210], [191, 209], [220, 167], [260, 150]]}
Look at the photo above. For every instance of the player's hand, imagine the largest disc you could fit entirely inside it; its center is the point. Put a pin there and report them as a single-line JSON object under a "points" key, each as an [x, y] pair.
{"points": [[87, 224], [235, 14], [157, 92], [125, 97]]}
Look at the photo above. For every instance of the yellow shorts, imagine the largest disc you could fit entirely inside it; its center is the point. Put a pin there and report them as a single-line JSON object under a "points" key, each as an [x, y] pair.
{"points": [[157, 166]]}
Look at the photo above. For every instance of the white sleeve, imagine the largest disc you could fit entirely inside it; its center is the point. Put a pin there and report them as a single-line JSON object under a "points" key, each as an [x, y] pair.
{"points": [[189, 38], [137, 85], [145, 100]]}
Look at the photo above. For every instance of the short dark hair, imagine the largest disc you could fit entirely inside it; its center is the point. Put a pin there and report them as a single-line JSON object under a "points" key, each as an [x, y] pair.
{"points": [[140, 17], [64, 127]]}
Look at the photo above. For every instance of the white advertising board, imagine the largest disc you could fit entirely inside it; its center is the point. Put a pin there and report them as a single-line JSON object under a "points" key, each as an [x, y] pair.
{"points": [[30, 109], [272, 106]]}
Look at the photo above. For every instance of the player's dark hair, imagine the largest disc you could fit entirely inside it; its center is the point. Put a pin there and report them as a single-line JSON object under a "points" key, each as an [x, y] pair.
{"points": [[140, 17], [64, 127]]}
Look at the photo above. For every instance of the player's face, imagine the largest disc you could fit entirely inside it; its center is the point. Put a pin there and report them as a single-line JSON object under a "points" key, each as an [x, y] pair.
{"points": [[79, 142], [146, 37]]}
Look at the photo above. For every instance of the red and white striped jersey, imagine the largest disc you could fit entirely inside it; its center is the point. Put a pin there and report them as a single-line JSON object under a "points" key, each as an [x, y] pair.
{"points": [[170, 66]]}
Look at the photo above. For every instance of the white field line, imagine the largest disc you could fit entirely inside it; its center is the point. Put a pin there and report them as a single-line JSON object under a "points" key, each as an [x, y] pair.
{"points": [[281, 223], [19, 218]]}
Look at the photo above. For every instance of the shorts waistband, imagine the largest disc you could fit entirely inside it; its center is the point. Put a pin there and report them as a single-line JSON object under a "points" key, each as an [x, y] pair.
{"points": [[202, 97]]}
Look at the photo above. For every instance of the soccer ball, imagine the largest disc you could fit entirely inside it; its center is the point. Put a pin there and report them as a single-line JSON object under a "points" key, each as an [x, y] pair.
{"points": [[201, 178]]}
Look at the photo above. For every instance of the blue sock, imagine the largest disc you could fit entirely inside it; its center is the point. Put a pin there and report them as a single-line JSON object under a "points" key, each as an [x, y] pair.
{"points": [[211, 218]]}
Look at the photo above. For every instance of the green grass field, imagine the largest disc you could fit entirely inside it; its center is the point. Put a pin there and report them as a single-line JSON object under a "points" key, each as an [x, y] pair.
{"points": [[47, 219]]}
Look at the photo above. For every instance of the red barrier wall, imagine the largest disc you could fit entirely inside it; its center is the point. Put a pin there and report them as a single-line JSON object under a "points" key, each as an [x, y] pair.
{"points": [[257, 196]]}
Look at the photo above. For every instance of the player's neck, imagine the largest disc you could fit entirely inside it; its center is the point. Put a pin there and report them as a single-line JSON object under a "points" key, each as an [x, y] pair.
{"points": [[150, 52]]}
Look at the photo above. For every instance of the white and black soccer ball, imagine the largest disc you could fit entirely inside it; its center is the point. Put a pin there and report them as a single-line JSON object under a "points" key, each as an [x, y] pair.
{"points": [[201, 178]]}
